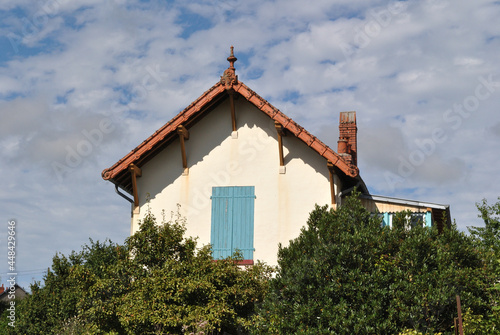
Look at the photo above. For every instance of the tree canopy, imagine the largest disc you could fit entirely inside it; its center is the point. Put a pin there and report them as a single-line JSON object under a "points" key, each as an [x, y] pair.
{"points": [[487, 240], [158, 282], [346, 274]]}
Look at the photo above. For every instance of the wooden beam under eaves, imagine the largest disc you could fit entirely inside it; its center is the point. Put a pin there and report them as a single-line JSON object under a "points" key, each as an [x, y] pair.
{"points": [[135, 172], [281, 133], [332, 181], [233, 109], [183, 136]]}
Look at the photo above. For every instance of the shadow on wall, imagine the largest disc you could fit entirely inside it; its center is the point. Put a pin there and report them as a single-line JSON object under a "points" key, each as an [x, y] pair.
{"points": [[207, 136]]}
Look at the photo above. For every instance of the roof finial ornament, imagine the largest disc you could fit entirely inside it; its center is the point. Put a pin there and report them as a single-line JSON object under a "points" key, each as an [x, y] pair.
{"points": [[229, 78], [231, 59]]}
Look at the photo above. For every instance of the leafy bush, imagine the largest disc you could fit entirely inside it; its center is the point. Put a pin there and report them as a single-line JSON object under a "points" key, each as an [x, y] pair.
{"points": [[346, 274], [157, 282]]}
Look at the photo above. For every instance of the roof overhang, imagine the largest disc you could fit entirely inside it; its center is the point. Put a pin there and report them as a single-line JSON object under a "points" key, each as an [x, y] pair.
{"points": [[405, 202]]}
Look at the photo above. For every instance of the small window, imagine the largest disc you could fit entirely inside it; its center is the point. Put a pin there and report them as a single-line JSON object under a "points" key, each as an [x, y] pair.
{"points": [[421, 219], [417, 219], [232, 222]]}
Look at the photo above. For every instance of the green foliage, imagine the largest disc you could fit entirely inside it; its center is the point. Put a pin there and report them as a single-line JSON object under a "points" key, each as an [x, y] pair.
{"points": [[158, 282], [474, 324], [487, 240], [414, 332], [4, 327], [346, 274], [67, 298], [181, 287], [488, 237]]}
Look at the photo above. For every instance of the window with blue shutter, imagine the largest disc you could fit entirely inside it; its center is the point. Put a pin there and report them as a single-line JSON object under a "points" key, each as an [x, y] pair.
{"points": [[424, 219], [232, 221]]}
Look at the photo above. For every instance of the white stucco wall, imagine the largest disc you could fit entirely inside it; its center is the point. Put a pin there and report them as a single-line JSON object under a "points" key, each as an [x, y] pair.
{"points": [[283, 201]]}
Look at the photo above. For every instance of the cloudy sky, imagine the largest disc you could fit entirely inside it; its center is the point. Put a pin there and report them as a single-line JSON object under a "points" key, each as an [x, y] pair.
{"points": [[82, 82]]}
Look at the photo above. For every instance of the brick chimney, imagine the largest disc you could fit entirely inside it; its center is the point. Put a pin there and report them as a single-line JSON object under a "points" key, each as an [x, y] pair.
{"points": [[348, 143], [2, 289]]}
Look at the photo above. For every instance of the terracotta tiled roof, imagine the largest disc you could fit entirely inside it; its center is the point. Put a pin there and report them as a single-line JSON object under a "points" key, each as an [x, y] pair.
{"points": [[168, 129], [296, 130], [118, 173]]}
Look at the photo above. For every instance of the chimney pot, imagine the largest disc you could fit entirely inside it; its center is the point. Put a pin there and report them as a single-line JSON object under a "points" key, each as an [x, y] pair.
{"points": [[342, 146]]}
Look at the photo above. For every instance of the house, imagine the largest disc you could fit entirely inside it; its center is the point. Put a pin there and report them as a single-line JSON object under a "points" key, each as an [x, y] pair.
{"points": [[246, 176], [12, 293]]}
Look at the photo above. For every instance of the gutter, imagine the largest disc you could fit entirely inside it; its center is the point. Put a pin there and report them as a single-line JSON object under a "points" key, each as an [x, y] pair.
{"points": [[124, 196], [347, 191]]}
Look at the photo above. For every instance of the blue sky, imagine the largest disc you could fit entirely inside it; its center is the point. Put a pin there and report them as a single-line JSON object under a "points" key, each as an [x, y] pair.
{"points": [[423, 76]]}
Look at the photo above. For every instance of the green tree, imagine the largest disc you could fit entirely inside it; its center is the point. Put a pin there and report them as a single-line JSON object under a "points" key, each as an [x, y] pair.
{"points": [[487, 241], [68, 297], [157, 282], [180, 288], [346, 274]]}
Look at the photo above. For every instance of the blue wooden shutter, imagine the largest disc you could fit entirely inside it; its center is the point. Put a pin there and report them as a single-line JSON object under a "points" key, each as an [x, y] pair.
{"points": [[385, 220], [232, 221], [428, 219], [220, 237], [243, 212]]}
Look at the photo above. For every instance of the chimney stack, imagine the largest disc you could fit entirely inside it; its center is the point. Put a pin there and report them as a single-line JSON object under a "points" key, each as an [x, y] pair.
{"points": [[348, 143]]}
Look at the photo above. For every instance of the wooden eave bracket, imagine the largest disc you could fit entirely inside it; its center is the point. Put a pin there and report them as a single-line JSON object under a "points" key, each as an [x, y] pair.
{"points": [[281, 133], [332, 181], [135, 172], [183, 136], [233, 111]]}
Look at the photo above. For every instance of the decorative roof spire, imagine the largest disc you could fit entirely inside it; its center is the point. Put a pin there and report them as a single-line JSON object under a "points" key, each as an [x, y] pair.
{"points": [[229, 78], [231, 59]]}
